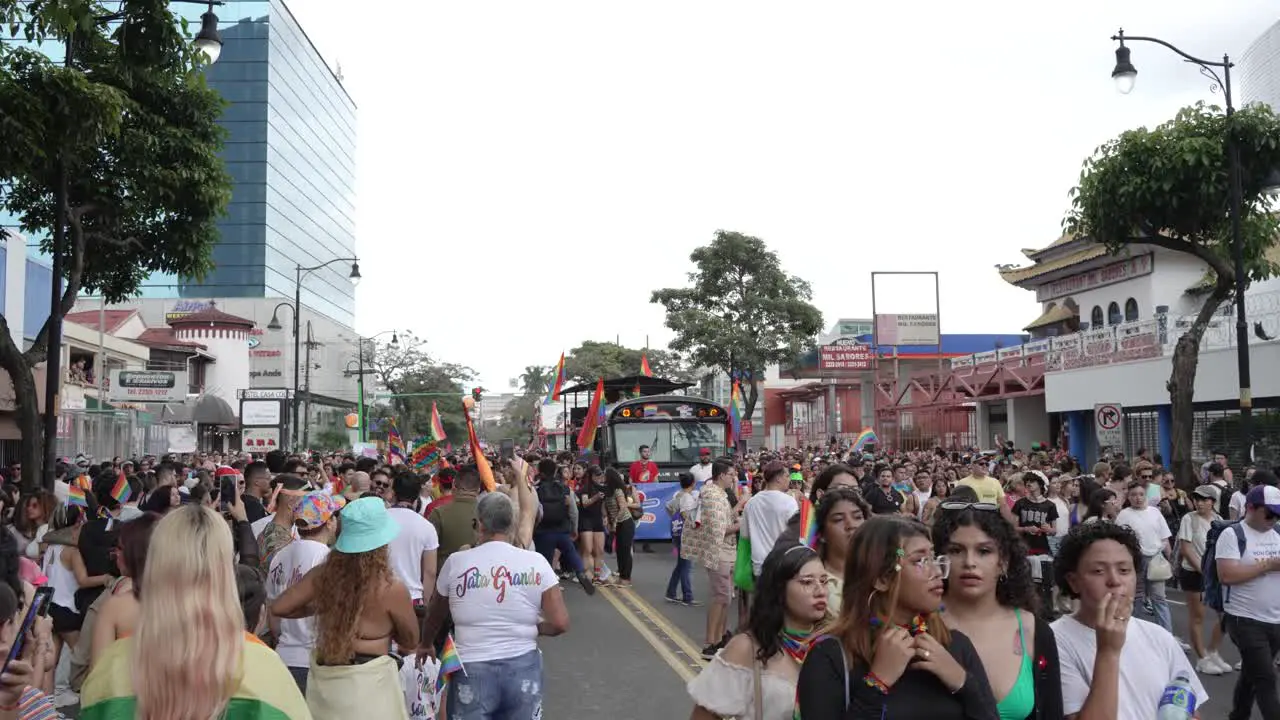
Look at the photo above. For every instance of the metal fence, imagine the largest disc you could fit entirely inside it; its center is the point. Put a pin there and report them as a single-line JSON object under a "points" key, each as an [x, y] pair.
{"points": [[110, 433], [1141, 430]]}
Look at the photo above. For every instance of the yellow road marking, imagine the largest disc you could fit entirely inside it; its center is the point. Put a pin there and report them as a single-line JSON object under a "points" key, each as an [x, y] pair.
{"points": [[685, 672], [655, 615]]}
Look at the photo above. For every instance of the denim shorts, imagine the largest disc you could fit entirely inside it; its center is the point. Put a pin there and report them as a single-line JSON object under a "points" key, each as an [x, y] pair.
{"points": [[507, 689]]}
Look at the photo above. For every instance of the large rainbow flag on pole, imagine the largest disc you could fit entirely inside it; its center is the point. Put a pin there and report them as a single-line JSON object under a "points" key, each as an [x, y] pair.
{"points": [[735, 411], [395, 443], [592, 421], [557, 383], [437, 427]]}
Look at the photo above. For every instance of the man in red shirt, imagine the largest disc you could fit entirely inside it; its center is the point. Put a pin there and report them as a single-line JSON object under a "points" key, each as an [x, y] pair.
{"points": [[644, 470]]}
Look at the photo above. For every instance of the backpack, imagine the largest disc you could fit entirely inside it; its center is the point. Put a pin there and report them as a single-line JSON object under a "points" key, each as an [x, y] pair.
{"points": [[1215, 594], [552, 495]]}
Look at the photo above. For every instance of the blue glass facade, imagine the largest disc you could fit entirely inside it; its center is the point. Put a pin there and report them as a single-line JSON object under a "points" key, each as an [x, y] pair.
{"points": [[39, 282], [290, 150]]}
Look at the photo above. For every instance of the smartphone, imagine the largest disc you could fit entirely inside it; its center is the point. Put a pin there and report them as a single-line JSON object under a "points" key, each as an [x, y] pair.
{"points": [[508, 449], [39, 608], [227, 492]]}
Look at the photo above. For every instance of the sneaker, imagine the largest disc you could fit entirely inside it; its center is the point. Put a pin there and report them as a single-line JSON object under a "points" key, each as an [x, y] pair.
{"points": [[1186, 646], [64, 698], [1222, 664], [671, 600], [690, 603], [585, 581], [1206, 666], [709, 651]]}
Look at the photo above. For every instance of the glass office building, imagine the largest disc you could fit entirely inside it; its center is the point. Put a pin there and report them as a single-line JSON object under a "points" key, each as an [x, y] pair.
{"points": [[290, 150], [1260, 70]]}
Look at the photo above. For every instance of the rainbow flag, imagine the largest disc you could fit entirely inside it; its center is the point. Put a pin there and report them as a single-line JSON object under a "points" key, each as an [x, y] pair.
{"points": [[482, 462], [557, 383], [645, 370], [866, 437], [808, 523], [426, 455], [593, 419], [437, 427], [450, 663], [121, 490], [75, 496], [735, 411], [395, 443]]}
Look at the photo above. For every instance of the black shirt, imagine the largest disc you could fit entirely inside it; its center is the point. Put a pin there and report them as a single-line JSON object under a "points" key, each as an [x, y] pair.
{"points": [[883, 501], [918, 694], [1031, 513], [254, 510]]}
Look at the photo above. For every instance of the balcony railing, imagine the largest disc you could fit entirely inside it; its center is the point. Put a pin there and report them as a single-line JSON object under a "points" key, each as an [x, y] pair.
{"points": [[1139, 340]]}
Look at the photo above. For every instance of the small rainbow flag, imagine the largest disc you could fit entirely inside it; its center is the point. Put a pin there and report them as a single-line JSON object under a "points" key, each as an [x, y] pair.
{"points": [[866, 437], [121, 490], [395, 442], [645, 370], [75, 496], [437, 427], [808, 523], [450, 663], [557, 383]]}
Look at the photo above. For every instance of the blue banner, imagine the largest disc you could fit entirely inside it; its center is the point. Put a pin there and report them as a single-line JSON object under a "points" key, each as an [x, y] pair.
{"points": [[653, 497]]}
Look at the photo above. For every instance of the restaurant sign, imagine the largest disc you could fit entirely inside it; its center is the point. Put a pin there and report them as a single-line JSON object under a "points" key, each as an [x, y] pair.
{"points": [[1109, 275]]}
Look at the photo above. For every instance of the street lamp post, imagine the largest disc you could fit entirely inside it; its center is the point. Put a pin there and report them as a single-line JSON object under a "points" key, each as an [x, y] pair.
{"points": [[1124, 75], [208, 41], [300, 273], [361, 372]]}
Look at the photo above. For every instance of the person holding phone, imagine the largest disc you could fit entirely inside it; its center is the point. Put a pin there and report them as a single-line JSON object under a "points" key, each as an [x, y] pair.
{"points": [[23, 674]]}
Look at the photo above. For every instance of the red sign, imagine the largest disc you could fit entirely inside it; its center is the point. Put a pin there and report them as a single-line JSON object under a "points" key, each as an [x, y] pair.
{"points": [[844, 354], [747, 430]]}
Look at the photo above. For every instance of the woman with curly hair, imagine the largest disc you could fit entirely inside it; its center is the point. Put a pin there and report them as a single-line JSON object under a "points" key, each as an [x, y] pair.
{"points": [[360, 609], [763, 663], [990, 597]]}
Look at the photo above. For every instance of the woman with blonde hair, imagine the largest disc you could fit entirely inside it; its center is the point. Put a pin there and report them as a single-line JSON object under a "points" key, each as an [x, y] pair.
{"points": [[889, 653], [360, 609], [177, 668]]}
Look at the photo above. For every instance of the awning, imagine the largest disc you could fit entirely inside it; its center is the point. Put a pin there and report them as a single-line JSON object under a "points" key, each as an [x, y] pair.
{"points": [[1057, 314]]}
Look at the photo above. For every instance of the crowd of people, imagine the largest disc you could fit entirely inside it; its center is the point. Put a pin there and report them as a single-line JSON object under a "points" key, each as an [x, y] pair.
{"points": [[982, 585]]}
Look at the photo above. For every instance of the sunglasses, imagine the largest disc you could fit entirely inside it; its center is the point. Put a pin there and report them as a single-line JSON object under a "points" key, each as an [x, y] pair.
{"points": [[979, 506]]}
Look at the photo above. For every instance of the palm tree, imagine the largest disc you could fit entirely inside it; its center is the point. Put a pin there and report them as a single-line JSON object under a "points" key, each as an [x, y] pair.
{"points": [[534, 380]]}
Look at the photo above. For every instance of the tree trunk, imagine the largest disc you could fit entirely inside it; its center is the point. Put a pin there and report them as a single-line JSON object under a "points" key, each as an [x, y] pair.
{"points": [[1181, 386], [26, 408]]}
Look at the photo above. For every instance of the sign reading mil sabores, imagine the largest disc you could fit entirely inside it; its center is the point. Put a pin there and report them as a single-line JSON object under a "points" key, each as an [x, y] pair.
{"points": [[148, 386]]}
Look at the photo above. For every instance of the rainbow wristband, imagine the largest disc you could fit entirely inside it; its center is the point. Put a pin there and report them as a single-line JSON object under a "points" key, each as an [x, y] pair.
{"points": [[874, 682]]}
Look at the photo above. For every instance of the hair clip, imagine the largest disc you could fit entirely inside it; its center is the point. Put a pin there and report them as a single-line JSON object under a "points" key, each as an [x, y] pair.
{"points": [[900, 553]]}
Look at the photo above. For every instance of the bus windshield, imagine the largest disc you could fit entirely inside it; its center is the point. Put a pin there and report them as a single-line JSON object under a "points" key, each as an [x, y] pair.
{"points": [[674, 443]]}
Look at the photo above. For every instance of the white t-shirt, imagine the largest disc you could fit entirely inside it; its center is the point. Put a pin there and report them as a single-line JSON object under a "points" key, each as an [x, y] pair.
{"points": [[1236, 503], [1062, 525], [417, 535], [297, 636], [1255, 599], [1149, 525], [767, 513], [1150, 658], [1195, 530], [495, 596], [701, 473]]}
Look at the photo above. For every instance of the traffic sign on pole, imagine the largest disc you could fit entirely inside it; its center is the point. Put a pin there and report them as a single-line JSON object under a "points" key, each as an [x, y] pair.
{"points": [[1108, 420]]}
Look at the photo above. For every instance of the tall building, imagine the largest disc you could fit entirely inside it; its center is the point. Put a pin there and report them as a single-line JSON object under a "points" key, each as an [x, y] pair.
{"points": [[1260, 70], [290, 150]]}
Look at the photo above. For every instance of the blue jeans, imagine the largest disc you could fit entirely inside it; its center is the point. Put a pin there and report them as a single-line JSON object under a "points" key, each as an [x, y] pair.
{"points": [[682, 573], [1149, 602], [509, 689], [547, 543]]}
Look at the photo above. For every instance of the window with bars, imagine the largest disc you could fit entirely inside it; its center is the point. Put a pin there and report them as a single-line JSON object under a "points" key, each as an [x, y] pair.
{"points": [[1141, 430]]}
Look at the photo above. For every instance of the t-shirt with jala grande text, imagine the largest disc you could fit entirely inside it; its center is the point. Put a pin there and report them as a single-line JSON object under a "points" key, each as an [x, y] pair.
{"points": [[495, 596], [298, 635]]}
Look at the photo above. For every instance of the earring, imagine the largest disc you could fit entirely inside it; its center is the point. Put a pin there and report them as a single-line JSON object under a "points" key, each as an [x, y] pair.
{"points": [[1003, 577]]}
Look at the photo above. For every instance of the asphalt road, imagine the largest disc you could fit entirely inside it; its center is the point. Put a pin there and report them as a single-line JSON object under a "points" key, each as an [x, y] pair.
{"points": [[629, 653]]}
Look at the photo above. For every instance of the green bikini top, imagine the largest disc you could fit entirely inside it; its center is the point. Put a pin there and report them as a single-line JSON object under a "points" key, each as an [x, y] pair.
{"points": [[1021, 700]]}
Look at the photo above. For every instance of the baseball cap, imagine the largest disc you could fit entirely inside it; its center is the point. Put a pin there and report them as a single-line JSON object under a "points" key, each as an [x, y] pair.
{"points": [[314, 510], [1264, 496], [704, 451], [1209, 492]]}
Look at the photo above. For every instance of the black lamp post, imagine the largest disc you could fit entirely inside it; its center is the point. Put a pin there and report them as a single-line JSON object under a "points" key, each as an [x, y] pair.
{"points": [[208, 41], [1125, 74], [360, 372], [302, 272]]}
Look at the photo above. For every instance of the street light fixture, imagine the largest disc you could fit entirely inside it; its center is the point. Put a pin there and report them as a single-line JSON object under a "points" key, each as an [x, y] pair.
{"points": [[1124, 75], [209, 40], [360, 372]]}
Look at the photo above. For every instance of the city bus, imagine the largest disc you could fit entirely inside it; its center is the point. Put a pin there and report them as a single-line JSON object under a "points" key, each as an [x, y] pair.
{"points": [[676, 429]]}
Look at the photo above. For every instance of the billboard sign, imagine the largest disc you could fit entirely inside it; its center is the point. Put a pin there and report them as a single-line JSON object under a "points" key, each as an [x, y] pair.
{"points": [[918, 329], [148, 386], [844, 354]]}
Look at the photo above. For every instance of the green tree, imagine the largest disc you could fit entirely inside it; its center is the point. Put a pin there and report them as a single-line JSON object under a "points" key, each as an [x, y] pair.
{"points": [[415, 380], [593, 360], [742, 311], [130, 132], [1169, 187], [534, 380]]}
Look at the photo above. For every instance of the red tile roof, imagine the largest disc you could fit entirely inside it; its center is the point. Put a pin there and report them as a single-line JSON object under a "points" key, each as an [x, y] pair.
{"points": [[89, 318], [164, 338], [210, 316]]}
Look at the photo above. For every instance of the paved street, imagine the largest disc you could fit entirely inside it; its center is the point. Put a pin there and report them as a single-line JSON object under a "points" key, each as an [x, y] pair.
{"points": [[629, 653]]}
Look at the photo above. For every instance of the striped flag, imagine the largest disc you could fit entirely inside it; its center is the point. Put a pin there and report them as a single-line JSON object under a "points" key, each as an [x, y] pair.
{"points": [[645, 370], [450, 663], [482, 463], [437, 427], [557, 383], [395, 443], [735, 411], [593, 419]]}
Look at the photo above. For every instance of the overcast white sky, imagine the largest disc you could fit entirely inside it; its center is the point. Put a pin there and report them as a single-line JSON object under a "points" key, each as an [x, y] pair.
{"points": [[530, 171]]}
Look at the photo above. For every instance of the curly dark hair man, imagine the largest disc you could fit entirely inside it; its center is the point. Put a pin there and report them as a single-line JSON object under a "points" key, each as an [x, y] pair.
{"points": [[1077, 543]]}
